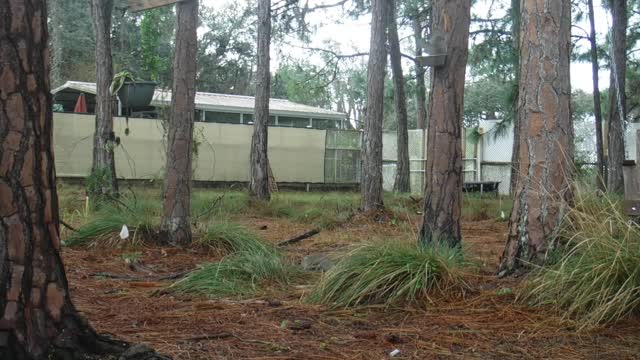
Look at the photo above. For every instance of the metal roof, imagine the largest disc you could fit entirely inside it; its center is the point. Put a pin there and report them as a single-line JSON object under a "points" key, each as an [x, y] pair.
{"points": [[222, 102]]}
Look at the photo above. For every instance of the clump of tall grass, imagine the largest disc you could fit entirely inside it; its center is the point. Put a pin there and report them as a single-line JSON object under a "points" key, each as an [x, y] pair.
{"points": [[597, 279], [391, 273], [231, 238], [140, 216], [242, 274], [251, 263]]}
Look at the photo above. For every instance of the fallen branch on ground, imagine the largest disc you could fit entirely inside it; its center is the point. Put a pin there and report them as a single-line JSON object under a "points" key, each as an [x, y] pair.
{"points": [[299, 238], [171, 276], [68, 226]]}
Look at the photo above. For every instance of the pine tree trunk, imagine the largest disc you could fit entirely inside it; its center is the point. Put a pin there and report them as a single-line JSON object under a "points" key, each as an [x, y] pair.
{"points": [[104, 165], [442, 205], [515, 149], [617, 97], [37, 317], [371, 184], [597, 107], [402, 181], [546, 133], [176, 227], [259, 181], [421, 91]]}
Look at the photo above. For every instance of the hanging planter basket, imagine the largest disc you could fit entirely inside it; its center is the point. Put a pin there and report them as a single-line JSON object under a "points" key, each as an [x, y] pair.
{"points": [[136, 94]]}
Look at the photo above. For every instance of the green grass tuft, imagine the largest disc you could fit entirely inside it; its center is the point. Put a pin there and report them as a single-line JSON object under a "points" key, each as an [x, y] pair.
{"points": [[239, 275], [140, 216], [232, 238], [597, 280], [391, 273]]}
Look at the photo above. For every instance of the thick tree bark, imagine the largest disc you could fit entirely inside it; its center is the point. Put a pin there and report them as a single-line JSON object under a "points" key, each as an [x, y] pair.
{"points": [[371, 184], [176, 227], [442, 205], [617, 97], [104, 165], [402, 181], [37, 317], [597, 107], [421, 91], [259, 181], [546, 133]]}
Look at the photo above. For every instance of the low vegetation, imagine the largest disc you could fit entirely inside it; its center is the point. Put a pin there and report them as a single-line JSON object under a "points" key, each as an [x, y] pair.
{"points": [[250, 265], [232, 238], [391, 273], [105, 223], [477, 207], [239, 275], [597, 279]]}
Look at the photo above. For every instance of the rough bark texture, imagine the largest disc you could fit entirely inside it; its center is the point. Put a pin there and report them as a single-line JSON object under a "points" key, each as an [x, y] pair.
{"points": [[597, 107], [617, 97], [259, 181], [442, 205], [176, 227], [103, 165], [371, 184], [546, 133], [421, 91], [402, 181], [37, 317]]}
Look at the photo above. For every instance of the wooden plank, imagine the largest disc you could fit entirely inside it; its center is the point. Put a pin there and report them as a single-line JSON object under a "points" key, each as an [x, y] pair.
{"points": [[141, 5]]}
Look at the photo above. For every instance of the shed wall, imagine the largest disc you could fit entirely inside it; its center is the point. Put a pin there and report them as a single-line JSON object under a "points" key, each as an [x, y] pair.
{"points": [[296, 155]]}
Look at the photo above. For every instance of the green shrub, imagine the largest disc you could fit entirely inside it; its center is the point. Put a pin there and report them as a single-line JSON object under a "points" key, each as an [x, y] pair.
{"points": [[597, 279], [390, 273]]}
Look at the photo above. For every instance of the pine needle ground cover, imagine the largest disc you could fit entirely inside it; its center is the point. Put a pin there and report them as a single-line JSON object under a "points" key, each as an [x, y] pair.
{"points": [[597, 279], [259, 313]]}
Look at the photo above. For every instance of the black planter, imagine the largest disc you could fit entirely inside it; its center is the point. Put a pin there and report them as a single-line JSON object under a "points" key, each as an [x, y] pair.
{"points": [[136, 94]]}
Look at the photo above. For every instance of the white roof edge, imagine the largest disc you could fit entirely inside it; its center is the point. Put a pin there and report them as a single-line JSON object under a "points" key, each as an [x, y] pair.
{"points": [[235, 109], [162, 97]]}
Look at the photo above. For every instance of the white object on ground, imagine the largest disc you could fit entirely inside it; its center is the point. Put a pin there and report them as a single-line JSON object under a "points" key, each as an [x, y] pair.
{"points": [[124, 233], [502, 215], [394, 353]]}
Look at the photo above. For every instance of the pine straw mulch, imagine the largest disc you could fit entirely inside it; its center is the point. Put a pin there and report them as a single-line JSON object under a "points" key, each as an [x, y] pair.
{"points": [[277, 325]]}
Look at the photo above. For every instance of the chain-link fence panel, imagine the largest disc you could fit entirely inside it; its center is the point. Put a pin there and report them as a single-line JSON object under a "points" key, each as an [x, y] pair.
{"points": [[342, 156]]}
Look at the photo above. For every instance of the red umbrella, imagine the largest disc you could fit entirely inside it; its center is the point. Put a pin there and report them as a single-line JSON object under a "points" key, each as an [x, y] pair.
{"points": [[81, 104]]}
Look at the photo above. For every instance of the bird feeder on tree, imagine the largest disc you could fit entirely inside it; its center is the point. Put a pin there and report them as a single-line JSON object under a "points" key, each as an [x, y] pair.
{"points": [[435, 47]]}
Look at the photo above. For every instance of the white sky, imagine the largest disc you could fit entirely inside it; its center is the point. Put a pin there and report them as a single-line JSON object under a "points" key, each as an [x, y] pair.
{"points": [[353, 36]]}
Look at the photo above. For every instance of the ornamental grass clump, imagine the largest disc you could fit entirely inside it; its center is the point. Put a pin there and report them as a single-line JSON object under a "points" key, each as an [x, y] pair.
{"points": [[392, 273], [251, 264], [239, 275], [140, 216], [231, 238], [596, 280]]}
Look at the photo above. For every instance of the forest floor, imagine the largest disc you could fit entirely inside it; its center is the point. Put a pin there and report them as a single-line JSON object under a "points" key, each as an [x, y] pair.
{"points": [[486, 324]]}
